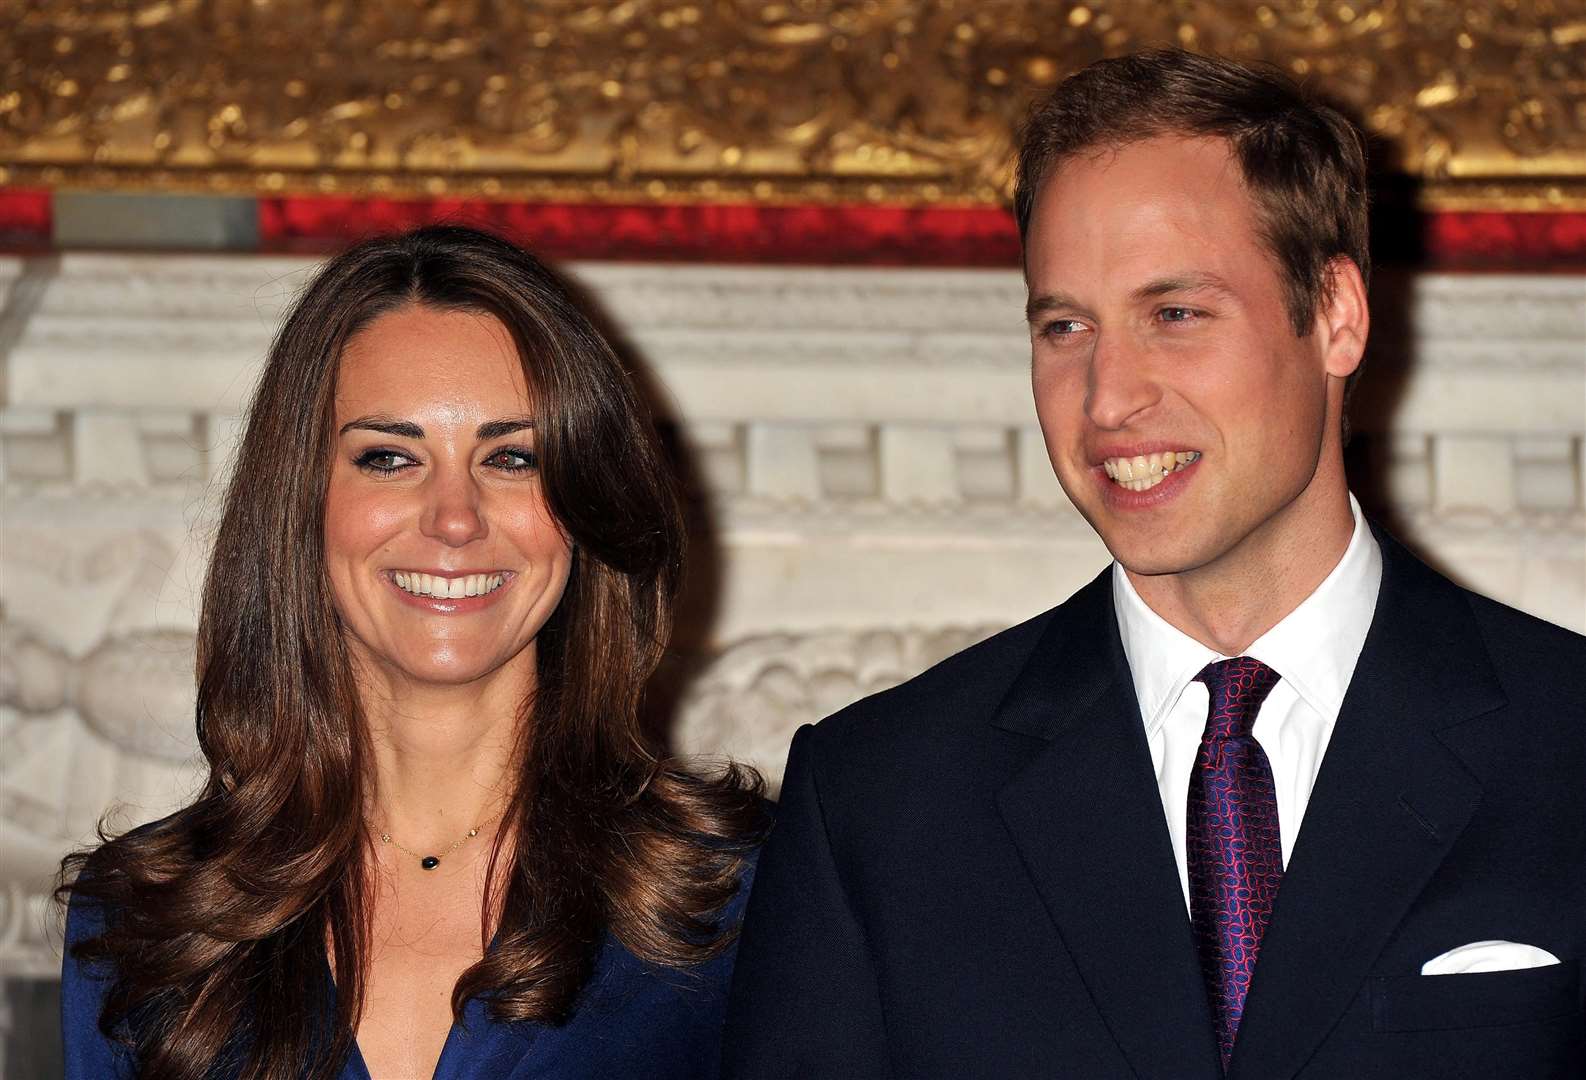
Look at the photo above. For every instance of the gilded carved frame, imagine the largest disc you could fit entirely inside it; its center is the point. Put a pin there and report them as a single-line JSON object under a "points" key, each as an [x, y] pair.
{"points": [[903, 102]]}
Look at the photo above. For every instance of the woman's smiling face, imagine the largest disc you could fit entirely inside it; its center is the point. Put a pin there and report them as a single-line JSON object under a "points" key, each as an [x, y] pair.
{"points": [[443, 558]]}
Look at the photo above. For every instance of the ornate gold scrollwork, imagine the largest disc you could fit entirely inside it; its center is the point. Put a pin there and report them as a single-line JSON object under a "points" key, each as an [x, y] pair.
{"points": [[899, 101]]}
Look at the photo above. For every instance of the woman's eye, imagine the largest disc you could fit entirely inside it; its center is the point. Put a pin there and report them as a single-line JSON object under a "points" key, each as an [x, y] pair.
{"points": [[383, 461], [513, 459]]}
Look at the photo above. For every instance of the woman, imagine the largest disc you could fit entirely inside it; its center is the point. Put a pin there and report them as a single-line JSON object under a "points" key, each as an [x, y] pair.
{"points": [[433, 840]]}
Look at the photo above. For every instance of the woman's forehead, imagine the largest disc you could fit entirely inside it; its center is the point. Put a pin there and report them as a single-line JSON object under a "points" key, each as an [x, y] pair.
{"points": [[457, 365]]}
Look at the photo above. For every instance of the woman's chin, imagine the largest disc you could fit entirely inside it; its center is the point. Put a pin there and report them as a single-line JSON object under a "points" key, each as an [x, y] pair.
{"points": [[439, 671]]}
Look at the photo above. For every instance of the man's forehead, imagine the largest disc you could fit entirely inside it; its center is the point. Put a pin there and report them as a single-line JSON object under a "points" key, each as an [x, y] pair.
{"points": [[1151, 212], [1168, 174], [1214, 150]]}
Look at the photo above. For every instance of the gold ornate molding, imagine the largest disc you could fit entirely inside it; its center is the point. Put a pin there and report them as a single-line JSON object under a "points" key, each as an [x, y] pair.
{"points": [[897, 101]]}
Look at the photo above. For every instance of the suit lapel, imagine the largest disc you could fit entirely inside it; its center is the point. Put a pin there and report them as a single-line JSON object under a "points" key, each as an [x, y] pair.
{"points": [[1389, 802], [1088, 821]]}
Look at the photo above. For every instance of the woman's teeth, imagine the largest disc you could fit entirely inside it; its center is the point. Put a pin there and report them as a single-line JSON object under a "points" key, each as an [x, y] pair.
{"points": [[448, 588], [1145, 471]]}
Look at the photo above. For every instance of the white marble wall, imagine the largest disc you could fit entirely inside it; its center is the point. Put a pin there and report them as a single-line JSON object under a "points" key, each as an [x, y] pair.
{"points": [[879, 491]]}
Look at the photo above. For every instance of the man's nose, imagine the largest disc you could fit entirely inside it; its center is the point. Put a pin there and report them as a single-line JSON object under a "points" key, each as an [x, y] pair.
{"points": [[1121, 383], [453, 513]]}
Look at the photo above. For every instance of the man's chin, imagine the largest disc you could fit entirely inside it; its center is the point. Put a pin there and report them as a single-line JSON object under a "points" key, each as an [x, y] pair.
{"points": [[1153, 558], [1146, 551], [1153, 568]]}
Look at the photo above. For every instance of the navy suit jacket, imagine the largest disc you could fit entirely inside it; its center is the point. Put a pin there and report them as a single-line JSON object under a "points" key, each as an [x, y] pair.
{"points": [[970, 875]]}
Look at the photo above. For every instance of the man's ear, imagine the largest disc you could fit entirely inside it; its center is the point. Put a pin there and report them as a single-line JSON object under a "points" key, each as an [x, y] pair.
{"points": [[1343, 319]]}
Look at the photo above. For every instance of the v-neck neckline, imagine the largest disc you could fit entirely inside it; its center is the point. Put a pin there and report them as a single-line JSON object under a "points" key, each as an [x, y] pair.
{"points": [[359, 1069], [474, 1016]]}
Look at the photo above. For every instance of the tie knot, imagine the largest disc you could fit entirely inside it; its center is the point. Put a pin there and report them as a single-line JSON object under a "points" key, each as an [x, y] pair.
{"points": [[1238, 687]]}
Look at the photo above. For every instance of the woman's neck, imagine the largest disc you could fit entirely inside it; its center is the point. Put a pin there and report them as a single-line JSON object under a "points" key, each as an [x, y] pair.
{"points": [[443, 755]]}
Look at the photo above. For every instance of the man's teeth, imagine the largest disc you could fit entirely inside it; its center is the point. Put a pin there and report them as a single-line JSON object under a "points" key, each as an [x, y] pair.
{"points": [[448, 588], [1145, 471]]}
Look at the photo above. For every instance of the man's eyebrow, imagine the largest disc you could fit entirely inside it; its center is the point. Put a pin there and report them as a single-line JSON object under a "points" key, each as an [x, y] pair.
{"points": [[1040, 305], [1180, 283], [406, 429]]}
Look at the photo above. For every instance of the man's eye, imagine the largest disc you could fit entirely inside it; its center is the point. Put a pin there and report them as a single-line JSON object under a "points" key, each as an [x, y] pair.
{"points": [[1176, 314], [513, 459], [382, 461], [1059, 328]]}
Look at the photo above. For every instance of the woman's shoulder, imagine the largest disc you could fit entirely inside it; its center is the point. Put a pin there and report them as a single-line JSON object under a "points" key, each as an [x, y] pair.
{"points": [[726, 921], [730, 917], [89, 1053], [86, 979], [751, 860], [91, 908], [638, 1018]]}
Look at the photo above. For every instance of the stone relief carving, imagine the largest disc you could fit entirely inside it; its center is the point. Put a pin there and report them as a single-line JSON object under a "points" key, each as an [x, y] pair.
{"points": [[132, 695], [95, 697], [829, 100], [84, 666], [755, 693]]}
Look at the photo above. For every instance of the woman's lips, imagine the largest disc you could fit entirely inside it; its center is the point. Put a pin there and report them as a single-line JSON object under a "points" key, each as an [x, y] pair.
{"points": [[448, 604]]}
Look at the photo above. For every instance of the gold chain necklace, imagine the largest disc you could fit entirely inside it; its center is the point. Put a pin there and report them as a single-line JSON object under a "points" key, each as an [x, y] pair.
{"points": [[430, 862]]}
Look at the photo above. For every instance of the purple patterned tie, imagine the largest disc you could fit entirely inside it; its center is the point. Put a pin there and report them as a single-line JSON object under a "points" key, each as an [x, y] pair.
{"points": [[1235, 856]]}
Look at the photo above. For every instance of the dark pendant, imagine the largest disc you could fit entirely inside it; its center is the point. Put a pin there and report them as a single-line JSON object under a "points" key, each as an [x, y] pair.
{"points": [[429, 862]]}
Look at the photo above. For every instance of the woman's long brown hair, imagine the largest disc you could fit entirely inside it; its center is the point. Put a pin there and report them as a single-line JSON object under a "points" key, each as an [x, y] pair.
{"points": [[217, 918]]}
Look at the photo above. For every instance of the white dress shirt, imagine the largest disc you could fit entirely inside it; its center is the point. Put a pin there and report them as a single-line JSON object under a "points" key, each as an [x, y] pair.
{"points": [[1314, 648]]}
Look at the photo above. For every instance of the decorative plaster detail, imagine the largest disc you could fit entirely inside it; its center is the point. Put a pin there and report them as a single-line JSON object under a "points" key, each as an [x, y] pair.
{"points": [[135, 691], [756, 693]]}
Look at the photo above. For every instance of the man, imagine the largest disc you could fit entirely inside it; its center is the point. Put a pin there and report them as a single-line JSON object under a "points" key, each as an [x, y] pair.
{"points": [[1268, 798]]}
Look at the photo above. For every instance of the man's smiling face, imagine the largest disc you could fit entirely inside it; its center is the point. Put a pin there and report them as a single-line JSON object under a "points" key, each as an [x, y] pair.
{"points": [[1182, 413]]}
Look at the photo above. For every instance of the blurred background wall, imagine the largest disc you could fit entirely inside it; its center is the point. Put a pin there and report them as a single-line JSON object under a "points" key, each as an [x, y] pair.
{"points": [[791, 216]]}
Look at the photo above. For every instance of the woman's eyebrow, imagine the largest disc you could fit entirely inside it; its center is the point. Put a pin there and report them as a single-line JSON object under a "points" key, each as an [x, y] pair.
{"points": [[385, 425], [406, 429], [495, 429]]}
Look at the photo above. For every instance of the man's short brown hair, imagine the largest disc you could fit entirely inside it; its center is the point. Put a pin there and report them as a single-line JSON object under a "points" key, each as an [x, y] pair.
{"points": [[1303, 162]]}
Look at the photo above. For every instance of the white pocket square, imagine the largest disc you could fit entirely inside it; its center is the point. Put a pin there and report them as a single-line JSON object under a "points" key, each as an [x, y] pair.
{"points": [[1488, 956]]}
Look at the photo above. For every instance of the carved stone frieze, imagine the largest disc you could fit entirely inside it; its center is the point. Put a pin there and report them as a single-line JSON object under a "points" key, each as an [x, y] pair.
{"points": [[756, 692], [135, 690], [826, 100], [96, 665]]}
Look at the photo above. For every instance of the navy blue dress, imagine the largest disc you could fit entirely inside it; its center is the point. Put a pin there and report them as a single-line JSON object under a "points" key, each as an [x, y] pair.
{"points": [[633, 1020]]}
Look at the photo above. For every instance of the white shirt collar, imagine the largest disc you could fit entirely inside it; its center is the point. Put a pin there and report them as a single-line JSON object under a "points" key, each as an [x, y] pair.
{"points": [[1314, 647]]}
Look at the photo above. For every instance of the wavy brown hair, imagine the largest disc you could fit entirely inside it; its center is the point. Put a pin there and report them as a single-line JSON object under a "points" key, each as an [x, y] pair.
{"points": [[209, 914]]}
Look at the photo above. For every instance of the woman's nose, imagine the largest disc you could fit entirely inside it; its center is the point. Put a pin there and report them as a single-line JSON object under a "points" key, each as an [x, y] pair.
{"points": [[454, 515]]}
